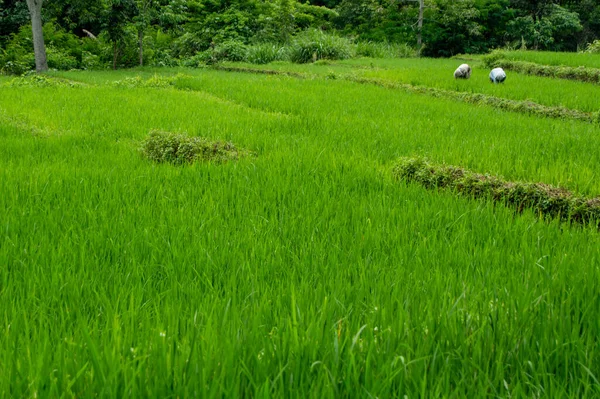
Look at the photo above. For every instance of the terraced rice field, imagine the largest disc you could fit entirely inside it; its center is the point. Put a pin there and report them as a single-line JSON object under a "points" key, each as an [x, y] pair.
{"points": [[307, 269]]}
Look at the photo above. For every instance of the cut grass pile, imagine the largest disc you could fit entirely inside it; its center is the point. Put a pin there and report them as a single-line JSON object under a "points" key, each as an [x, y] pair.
{"points": [[180, 149], [543, 199]]}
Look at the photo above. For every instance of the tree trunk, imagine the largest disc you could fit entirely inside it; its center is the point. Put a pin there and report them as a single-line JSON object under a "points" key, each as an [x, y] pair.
{"points": [[420, 25], [141, 45], [39, 49]]}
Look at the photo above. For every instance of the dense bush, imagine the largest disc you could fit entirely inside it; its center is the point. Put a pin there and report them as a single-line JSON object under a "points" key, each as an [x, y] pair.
{"points": [[230, 50], [264, 53], [593, 48], [64, 51], [543, 199], [179, 149], [314, 45], [383, 50], [35, 80]]}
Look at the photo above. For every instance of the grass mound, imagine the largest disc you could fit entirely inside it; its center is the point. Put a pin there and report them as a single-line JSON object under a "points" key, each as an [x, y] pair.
{"points": [[543, 199], [179, 149]]}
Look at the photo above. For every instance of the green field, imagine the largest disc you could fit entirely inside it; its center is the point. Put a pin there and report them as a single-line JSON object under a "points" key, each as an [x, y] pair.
{"points": [[555, 58], [305, 270]]}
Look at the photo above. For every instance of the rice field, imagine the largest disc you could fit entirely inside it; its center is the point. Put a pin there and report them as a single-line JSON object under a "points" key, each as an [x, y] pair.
{"points": [[555, 58], [438, 74], [305, 270]]}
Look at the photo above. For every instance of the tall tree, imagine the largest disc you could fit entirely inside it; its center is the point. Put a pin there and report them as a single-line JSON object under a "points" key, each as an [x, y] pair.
{"points": [[39, 49], [146, 11], [119, 14], [420, 25]]}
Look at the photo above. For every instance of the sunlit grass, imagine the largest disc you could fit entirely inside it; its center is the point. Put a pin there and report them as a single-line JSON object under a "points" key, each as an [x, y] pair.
{"points": [[556, 58], [438, 73], [303, 271]]}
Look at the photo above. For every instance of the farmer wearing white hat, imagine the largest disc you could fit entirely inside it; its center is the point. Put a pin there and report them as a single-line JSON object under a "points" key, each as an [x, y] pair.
{"points": [[497, 75]]}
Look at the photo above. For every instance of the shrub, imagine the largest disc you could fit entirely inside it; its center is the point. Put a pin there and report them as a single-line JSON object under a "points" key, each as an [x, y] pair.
{"points": [[230, 50], [188, 45], [14, 67], [90, 61], [179, 149], [593, 48], [384, 50], [35, 80], [155, 81], [264, 53], [314, 45], [543, 199], [60, 60], [491, 60]]}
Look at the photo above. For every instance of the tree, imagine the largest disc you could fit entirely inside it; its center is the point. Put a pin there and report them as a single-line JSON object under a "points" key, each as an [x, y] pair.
{"points": [[39, 49], [142, 20], [420, 25], [120, 12], [13, 15]]}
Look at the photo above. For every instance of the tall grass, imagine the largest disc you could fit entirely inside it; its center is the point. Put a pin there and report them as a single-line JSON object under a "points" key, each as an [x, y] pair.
{"points": [[304, 271], [554, 58]]}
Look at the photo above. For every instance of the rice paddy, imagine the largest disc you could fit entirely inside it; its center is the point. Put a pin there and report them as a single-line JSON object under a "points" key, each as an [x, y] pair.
{"points": [[307, 269]]}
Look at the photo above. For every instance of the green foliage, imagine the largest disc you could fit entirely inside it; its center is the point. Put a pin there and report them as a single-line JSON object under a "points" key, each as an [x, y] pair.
{"points": [[156, 81], [543, 199], [34, 80], [230, 50], [63, 50], [263, 53], [180, 149], [593, 47], [314, 45], [384, 50], [552, 29], [188, 45], [246, 279]]}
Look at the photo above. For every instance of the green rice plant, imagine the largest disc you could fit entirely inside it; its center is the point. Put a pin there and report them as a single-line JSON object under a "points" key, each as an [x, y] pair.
{"points": [[588, 60], [437, 73], [304, 272], [543, 199], [563, 72], [313, 45], [527, 107], [180, 149]]}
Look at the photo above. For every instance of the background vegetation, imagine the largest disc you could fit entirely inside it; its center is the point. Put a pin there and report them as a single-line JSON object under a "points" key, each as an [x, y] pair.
{"points": [[91, 34]]}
